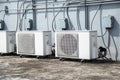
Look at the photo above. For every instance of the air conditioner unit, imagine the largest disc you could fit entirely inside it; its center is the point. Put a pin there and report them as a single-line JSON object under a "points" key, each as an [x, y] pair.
{"points": [[76, 44], [33, 43], [7, 42]]}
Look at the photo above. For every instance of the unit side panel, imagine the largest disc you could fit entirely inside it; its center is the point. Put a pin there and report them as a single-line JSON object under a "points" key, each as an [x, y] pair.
{"points": [[84, 45], [39, 44], [47, 43], [56, 45], [3, 42], [11, 41], [93, 43]]}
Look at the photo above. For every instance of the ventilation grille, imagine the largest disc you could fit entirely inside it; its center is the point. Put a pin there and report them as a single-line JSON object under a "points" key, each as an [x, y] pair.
{"points": [[67, 45], [26, 43]]}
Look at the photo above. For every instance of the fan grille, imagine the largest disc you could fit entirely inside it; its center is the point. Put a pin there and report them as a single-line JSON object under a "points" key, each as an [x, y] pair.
{"points": [[69, 44], [26, 43]]}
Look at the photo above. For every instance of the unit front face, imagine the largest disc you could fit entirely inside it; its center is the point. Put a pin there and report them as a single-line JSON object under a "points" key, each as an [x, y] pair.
{"points": [[25, 43], [34, 43], [79, 44], [67, 44]]}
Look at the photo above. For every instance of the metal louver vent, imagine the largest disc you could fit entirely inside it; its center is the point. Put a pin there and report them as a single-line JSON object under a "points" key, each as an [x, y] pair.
{"points": [[26, 43], [67, 45]]}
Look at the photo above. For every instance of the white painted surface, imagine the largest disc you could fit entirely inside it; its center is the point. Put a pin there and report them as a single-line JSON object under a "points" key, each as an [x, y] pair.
{"points": [[40, 43], [87, 47], [7, 41], [84, 45], [108, 9], [3, 42]]}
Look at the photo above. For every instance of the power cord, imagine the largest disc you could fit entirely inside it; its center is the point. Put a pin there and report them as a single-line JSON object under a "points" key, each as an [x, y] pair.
{"points": [[17, 14], [58, 13], [95, 16], [78, 18], [55, 18], [102, 53], [103, 34]]}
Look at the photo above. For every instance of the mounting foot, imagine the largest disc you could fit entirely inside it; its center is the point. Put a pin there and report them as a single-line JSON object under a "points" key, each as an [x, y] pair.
{"points": [[61, 59], [38, 57], [21, 56], [1, 54], [82, 60]]}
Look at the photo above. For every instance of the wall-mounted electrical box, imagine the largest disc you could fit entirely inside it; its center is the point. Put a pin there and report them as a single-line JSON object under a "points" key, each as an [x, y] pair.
{"points": [[33, 43], [108, 21], [76, 44], [29, 24], [6, 10], [7, 42], [61, 24]]}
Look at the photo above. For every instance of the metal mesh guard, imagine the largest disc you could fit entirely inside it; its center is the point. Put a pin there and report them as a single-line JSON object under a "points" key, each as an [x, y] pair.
{"points": [[26, 43], [69, 44]]}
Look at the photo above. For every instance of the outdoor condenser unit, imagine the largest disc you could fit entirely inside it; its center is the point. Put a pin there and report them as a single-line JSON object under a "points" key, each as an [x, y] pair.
{"points": [[76, 44], [33, 43], [7, 42]]}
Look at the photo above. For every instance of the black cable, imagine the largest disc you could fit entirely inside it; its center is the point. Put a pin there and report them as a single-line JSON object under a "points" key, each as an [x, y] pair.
{"points": [[102, 31], [102, 52], [103, 40]]}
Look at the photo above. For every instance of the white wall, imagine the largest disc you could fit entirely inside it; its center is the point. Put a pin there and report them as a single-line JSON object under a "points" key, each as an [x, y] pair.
{"points": [[44, 24]]}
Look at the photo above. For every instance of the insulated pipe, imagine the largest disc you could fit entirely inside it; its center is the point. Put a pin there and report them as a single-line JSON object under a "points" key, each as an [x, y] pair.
{"points": [[34, 15], [86, 16]]}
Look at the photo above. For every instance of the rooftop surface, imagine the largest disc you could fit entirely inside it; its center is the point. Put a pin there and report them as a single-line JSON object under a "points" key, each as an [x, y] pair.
{"points": [[30, 68]]}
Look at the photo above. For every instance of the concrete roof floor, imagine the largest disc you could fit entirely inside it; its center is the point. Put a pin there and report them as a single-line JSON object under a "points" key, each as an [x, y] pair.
{"points": [[30, 68]]}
